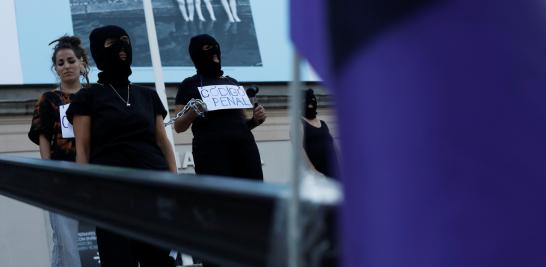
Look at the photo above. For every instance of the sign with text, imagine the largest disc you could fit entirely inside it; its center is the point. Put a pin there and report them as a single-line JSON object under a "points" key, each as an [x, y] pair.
{"points": [[224, 96]]}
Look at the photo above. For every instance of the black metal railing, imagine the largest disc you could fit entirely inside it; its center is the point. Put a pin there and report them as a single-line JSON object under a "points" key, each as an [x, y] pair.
{"points": [[228, 221]]}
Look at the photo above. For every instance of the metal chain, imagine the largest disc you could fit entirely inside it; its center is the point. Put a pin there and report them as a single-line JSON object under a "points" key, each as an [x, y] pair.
{"points": [[196, 104]]}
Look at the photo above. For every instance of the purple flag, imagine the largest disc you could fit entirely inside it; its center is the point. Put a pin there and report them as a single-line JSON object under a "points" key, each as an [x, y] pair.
{"points": [[442, 114]]}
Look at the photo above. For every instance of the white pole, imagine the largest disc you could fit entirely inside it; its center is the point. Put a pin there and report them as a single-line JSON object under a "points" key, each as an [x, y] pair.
{"points": [[156, 64], [294, 236], [159, 81]]}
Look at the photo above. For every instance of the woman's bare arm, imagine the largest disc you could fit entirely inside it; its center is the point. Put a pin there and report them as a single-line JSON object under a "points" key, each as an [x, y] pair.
{"points": [[183, 123], [82, 132], [45, 147], [164, 143]]}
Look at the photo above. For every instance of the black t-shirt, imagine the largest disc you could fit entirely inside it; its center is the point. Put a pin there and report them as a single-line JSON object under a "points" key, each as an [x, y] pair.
{"points": [[227, 123], [319, 147], [121, 135]]}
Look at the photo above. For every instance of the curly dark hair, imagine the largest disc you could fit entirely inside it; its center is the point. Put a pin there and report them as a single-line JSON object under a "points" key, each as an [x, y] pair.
{"points": [[74, 43]]}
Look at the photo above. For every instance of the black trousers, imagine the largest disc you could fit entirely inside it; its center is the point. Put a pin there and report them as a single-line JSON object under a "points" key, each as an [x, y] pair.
{"points": [[235, 157], [119, 251]]}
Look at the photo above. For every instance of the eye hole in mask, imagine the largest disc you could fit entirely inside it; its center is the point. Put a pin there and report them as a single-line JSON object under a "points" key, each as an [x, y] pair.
{"points": [[209, 47], [111, 41]]}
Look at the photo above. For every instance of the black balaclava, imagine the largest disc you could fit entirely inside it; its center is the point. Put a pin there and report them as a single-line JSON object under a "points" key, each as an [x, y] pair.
{"points": [[114, 70], [310, 108], [203, 59]]}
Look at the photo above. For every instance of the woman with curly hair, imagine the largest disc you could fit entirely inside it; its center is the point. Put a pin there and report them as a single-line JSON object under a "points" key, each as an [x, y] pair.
{"points": [[52, 133]]}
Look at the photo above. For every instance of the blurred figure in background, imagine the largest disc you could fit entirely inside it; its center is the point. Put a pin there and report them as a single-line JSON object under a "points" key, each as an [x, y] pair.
{"points": [[317, 141]]}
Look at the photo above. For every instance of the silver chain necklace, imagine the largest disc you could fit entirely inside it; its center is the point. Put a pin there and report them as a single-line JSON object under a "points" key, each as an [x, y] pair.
{"points": [[126, 102]]}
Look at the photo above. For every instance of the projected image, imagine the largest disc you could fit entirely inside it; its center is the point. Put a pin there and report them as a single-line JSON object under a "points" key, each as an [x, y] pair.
{"points": [[229, 21]]}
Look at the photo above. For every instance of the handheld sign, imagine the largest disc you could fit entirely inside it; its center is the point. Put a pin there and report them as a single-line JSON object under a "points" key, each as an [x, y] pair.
{"points": [[66, 127], [224, 96]]}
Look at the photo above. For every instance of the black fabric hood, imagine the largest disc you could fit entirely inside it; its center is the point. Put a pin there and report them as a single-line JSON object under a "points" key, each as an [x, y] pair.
{"points": [[202, 59], [113, 69], [310, 108]]}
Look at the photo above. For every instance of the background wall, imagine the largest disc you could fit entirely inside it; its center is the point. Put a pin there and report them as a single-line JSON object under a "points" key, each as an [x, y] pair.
{"points": [[11, 67], [257, 49]]}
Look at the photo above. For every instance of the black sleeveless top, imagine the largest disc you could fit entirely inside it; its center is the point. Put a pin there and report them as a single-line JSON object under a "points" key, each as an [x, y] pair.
{"points": [[319, 146]]}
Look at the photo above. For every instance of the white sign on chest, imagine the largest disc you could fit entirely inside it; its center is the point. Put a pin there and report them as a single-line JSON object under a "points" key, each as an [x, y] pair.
{"points": [[224, 97], [66, 127]]}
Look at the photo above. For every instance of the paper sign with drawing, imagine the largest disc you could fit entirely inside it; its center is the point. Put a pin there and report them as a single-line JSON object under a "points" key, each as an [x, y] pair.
{"points": [[66, 127]]}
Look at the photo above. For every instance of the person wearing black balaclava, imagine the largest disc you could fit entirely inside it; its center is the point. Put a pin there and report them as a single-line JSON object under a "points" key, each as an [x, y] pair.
{"points": [[117, 123], [223, 143], [317, 140]]}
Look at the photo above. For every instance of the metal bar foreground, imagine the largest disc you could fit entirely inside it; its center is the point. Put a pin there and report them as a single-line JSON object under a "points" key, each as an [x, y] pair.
{"points": [[227, 221]]}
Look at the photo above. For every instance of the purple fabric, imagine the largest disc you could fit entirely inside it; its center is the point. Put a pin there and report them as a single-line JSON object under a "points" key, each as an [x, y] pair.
{"points": [[308, 19], [443, 134]]}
